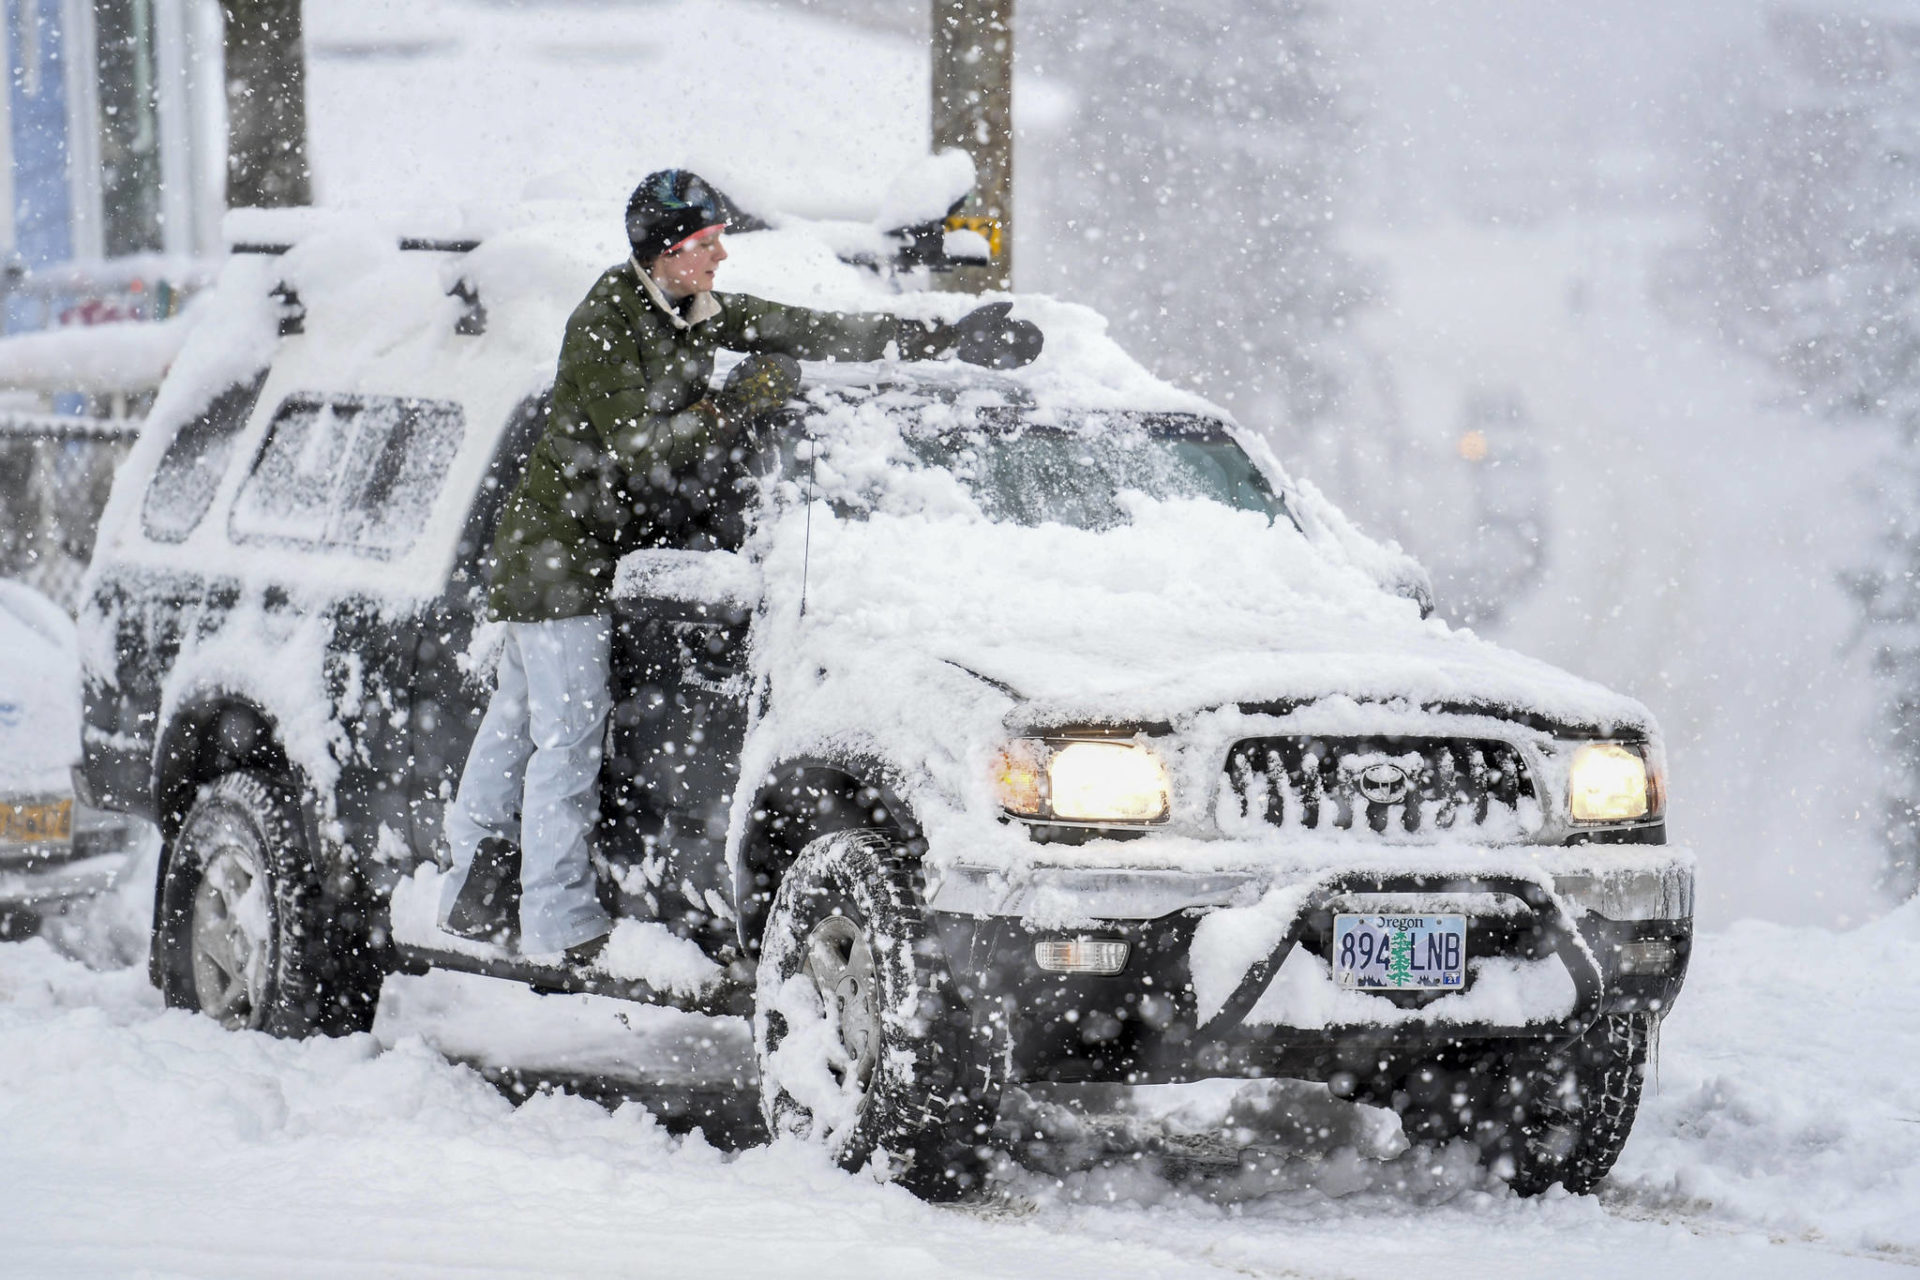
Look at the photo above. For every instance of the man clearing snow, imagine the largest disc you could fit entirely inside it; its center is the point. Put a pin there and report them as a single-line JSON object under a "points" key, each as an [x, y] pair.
{"points": [[635, 453]]}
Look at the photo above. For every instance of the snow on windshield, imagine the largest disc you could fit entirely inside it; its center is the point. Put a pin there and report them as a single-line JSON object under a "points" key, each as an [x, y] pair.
{"points": [[1022, 466], [1130, 564]]}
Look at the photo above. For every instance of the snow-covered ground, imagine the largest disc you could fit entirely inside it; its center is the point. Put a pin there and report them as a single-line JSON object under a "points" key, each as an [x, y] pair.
{"points": [[1780, 1137]]}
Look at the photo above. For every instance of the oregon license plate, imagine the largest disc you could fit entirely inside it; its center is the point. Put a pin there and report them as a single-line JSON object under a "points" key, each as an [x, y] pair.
{"points": [[35, 823], [1400, 953]]}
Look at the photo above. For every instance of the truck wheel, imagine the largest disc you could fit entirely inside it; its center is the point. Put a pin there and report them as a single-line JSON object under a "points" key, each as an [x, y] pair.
{"points": [[243, 933], [863, 1045], [1565, 1116]]}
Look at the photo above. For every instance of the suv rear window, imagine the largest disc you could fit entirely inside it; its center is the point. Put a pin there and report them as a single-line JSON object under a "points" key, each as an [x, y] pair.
{"points": [[189, 473], [357, 473]]}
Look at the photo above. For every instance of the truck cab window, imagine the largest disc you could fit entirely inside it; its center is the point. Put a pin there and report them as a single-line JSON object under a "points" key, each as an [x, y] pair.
{"points": [[189, 473], [358, 473]]}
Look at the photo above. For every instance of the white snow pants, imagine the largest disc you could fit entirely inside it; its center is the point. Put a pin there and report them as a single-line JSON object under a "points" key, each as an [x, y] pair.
{"points": [[533, 778]]}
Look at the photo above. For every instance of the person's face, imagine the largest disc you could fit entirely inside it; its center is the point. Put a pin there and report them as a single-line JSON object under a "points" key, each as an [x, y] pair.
{"points": [[688, 269]]}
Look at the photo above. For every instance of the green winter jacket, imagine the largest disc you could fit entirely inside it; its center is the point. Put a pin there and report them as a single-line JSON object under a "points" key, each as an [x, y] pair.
{"points": [[634, 450]]}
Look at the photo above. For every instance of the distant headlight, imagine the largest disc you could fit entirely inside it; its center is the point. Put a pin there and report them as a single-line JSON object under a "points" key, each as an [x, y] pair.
{"points": [[1610, 782], [1081, 781]]}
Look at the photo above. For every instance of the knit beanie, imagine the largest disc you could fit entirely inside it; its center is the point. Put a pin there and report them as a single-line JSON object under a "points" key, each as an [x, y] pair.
{"points": [[667, 209]]}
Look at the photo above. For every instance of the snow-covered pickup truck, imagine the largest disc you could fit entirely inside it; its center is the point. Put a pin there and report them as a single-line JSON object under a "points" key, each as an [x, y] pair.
{"points": [[1010, 727]]}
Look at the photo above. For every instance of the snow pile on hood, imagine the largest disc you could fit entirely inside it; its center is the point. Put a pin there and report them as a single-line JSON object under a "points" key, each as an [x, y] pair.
{"points": [[1177, 605], [977, 561], [1191, 605]]}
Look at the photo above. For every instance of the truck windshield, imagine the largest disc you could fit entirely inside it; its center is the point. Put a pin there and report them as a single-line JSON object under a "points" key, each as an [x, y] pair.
{"points": [[1034, 475], [1020, 472]]}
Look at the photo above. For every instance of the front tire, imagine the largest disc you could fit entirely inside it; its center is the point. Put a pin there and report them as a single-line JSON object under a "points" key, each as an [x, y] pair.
{"points": [[863, 1044], [244, 933], [1566, 1114]]}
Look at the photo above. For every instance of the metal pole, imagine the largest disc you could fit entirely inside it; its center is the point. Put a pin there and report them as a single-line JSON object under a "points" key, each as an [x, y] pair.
{"points": [[973, 110], [266, 73]]}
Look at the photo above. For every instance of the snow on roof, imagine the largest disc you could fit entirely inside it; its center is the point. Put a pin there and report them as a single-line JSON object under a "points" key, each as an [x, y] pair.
{"points": [[532, 262], [380, 319]]}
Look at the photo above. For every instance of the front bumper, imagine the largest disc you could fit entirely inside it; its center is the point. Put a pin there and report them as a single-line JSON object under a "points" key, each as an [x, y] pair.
{"points": [[1620, 926]]}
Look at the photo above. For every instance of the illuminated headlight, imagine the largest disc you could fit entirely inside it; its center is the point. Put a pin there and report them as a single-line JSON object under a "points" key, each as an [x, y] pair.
{"points": [[1081, 781], [1610, 782]]}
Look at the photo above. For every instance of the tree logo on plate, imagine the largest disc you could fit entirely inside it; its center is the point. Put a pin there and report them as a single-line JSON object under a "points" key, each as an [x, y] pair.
{"points": [[1384, 783]]}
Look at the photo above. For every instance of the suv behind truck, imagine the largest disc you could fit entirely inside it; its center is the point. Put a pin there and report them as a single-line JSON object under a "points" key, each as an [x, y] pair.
{"points": [[998, 728]]}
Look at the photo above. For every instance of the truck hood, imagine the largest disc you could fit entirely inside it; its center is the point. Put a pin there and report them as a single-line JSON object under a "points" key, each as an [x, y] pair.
{"points": [[1191, 606]]}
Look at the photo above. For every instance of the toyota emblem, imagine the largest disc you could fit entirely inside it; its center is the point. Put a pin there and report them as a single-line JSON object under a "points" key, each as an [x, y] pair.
{"points": [[1383, 783]]}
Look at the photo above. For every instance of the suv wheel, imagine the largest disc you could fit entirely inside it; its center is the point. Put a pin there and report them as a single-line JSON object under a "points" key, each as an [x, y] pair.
{"points": [[1565, 1116], [243, 934], [863, 1045]]}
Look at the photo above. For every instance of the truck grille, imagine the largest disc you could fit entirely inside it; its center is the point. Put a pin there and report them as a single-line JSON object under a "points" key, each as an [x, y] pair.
{"points": [[1396, 788]]}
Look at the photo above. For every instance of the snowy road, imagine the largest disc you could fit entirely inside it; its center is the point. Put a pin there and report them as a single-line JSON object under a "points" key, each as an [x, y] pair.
{"points": [[1783, 1140]]}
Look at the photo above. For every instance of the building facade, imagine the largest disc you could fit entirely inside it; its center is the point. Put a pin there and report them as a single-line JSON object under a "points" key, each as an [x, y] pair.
{"points": [[112, 156]]}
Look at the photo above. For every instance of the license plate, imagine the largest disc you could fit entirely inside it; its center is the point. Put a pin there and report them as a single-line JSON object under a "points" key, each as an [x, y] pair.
{"points": [[1400, 953], [36, 823]]}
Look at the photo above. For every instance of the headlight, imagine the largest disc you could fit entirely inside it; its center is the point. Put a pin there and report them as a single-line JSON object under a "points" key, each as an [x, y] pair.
{"points": [[1081, 781], [1610, 782]]}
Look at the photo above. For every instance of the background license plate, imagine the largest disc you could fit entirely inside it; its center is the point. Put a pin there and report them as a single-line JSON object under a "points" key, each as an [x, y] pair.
{"points": [[1400, 953], [33, 823]]}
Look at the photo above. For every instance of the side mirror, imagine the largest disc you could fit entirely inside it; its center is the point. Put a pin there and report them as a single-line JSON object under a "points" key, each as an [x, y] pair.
{"points": [[1415, 586], [1384, 562]]}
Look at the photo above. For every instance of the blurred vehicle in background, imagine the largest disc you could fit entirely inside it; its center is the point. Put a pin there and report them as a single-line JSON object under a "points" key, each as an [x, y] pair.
{"points": [[54, 851], [1502, 557], [72, 401]]}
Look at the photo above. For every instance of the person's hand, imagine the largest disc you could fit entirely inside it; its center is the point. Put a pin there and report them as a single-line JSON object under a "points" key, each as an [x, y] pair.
{"points": [[759, 384], [991, 337], [985, 336]]}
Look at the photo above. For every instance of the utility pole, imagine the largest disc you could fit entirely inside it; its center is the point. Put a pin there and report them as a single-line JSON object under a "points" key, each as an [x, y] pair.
{"points": [[973, 110], [266, 74]]}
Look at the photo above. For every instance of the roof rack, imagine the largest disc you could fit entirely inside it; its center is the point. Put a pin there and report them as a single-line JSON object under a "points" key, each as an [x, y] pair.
{"points": [[411, 244]]}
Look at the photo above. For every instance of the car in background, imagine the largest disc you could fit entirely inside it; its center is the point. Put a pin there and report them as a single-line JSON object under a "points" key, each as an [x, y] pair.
{"points": [[54, 851]]}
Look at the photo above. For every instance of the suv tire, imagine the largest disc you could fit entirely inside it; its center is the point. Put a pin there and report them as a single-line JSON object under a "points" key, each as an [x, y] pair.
{"points": [[862, 1043], [1565, 1115], [244, 933]]}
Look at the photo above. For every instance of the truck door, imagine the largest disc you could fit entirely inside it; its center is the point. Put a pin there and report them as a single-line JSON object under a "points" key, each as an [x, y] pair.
{"points": [[680, 694]]}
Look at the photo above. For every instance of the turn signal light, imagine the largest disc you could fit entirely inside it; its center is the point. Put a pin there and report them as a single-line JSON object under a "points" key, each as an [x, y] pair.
{"points": [[1105, 956], [1020, 777]]}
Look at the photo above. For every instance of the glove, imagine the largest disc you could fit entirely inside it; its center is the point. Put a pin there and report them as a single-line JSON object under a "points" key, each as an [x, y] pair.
{"points": [[759, 384], [989, 336]]}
